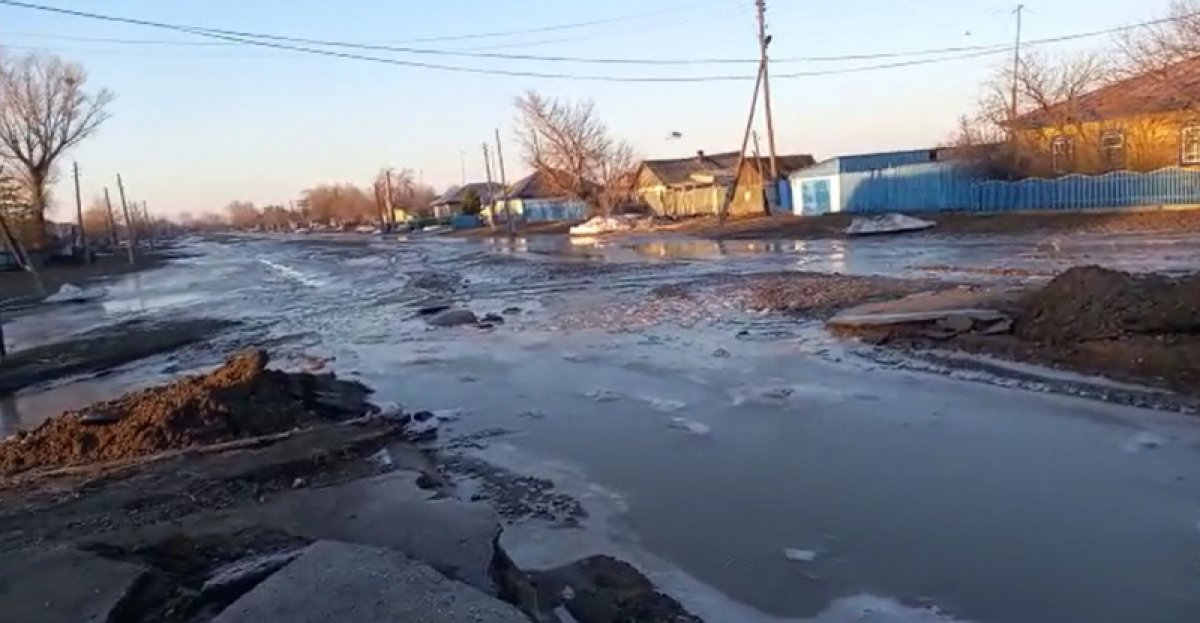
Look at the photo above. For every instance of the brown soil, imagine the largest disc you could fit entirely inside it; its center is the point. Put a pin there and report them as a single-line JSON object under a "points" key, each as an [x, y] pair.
{"points": [[822, 295], [1137, 328], [1094, 303], [239, 399], [834, 225]]}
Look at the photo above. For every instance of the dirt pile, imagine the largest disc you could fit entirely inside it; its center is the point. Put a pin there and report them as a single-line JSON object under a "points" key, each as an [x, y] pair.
{"points": [[1093, 303], [240, 399]]}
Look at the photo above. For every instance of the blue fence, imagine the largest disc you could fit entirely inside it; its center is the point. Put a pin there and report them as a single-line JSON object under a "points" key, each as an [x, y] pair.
{"points": [[940, 186], [1120, 189]]}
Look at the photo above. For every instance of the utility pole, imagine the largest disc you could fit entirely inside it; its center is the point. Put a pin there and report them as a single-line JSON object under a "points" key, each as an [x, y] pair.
{"points": [[149, 223], [390, 215], [462, 163], [1012, 111], [130, 236], [504, 184], [761, 174], [723, 209], [112, 221], [763, 42], [83, 242], [487, 168]]}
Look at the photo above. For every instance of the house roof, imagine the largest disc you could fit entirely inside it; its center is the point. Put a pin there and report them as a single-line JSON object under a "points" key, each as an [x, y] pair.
{"points": [[537, 185], [457, 193], [1174, 88], [679, 171]]}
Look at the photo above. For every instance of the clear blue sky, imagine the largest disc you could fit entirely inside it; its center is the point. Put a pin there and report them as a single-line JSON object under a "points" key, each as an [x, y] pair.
{"points": [[195, 126]]}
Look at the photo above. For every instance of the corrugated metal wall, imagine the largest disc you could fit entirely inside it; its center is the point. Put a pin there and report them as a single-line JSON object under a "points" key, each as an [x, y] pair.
{"points": [[930, 186]]}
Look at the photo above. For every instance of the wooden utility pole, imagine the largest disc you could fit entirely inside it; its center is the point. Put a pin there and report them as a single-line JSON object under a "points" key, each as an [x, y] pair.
{"points": [[1012, 108], [112, 221], [723, 210], [487, 169], [763, 42], [389, 216], [130, 236], [83, 241], [512, 231], [766, 205]]}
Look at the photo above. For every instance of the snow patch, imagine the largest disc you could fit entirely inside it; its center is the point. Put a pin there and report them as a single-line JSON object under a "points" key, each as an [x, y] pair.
{"points": [[800, 555], [886, 224], [69, 293], [695, 428], [603, 395], [602, 225], [293, 274], [1143, 440], [665, 405]]}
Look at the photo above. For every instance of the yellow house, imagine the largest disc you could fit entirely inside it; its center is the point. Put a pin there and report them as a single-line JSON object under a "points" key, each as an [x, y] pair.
{"points": [[1143, 123]]}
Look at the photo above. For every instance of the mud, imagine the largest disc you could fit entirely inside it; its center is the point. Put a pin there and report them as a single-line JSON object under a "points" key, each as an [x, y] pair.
{"points": [[1143, 329], [240, 399], [602, 589], [821, 295], [834, 225], [1094, 303], [102, 349]]}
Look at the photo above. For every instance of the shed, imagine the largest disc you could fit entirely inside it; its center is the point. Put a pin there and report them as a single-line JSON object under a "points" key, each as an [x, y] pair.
{"points": [[915, 180]]}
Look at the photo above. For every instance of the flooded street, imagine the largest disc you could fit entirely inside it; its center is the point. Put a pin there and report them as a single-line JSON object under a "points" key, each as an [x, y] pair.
{"points": [[753, 465]]}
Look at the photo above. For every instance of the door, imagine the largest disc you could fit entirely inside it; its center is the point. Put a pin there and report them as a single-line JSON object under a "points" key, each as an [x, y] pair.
{"points": [[814, 197]]}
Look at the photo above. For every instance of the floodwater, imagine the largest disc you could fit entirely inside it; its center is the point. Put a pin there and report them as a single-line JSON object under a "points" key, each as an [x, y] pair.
{"points": [[704, 453]]}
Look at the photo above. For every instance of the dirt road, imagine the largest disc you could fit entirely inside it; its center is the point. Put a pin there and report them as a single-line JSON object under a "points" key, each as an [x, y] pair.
{"points": [[815, 477]]}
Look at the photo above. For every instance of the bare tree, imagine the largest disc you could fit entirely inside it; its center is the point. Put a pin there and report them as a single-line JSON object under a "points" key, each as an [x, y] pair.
{"points": [[44, 111], [243, 214], [568, 144], [1049, 103]]}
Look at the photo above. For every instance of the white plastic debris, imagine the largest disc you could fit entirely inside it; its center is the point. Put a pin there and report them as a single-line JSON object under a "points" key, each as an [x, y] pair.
{"points": [[602, 225], [383, 458], [603, 395], [695, 428], [68, 293], [800, 555], [886, 224]]}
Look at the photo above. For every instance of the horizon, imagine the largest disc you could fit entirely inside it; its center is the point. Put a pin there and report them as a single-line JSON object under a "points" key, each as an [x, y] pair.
{"points": [[198, 123]]}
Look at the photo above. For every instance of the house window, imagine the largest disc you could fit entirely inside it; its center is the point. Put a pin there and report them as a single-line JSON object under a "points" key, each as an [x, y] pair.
{"points": [[1189, 144], [1112, 148], [1062, 154]]}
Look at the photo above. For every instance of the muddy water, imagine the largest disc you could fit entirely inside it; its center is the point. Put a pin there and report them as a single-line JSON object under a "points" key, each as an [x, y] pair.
{"points": [[705, 453]]}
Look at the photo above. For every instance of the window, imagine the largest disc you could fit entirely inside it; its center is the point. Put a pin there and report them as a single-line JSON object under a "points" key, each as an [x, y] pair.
{"points": [[1189, 144], [1062, 154], [1112, 149]]}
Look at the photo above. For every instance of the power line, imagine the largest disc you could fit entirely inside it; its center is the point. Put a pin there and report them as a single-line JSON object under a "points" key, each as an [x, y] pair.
{"points": [[255, 40]]}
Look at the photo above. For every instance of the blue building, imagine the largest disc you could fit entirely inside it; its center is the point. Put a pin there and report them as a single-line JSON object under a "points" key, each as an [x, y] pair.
{"points": [[533, 199], [919, 180]]}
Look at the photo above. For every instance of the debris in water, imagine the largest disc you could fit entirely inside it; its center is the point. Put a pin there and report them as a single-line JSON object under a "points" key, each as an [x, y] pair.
{"points": [[800, 555], [695, 428], [383, 458], [603, 395], [666, 405], [1144, 440], [721, 353], [69, 293]]}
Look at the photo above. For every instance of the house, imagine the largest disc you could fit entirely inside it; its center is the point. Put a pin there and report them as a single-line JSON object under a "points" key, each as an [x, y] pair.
{"points": [[916, 180], [534, 198], [1142, 123], [698, 185], [450, 203]]}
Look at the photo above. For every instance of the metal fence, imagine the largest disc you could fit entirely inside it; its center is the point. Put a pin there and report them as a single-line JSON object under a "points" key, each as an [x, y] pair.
{"points": [[933, 187], [1120, 189]]}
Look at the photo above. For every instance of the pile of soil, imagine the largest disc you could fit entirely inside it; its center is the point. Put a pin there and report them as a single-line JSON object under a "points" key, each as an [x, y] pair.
{"points": [[237, 400], [1092, 303]]}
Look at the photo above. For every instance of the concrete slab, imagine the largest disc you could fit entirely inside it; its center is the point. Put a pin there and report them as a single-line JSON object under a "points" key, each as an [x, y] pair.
{"points": [[62, 585], [334, 581], [455, 537]]}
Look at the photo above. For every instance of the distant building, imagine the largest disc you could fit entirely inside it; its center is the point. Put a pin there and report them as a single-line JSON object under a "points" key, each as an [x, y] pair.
{"points": [[533, 199], [698, 185], [1142, 123], [450, 203]]}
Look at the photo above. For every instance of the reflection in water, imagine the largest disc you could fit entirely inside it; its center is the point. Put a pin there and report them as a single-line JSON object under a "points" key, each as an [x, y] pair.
{"points": [[10, 418]]}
